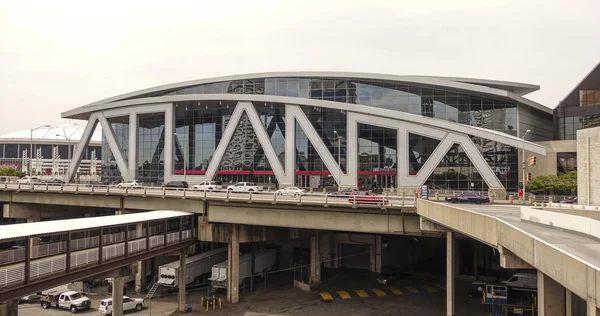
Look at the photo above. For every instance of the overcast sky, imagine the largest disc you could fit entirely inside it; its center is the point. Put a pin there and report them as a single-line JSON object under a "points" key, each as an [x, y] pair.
{"points": [[58, 55]]}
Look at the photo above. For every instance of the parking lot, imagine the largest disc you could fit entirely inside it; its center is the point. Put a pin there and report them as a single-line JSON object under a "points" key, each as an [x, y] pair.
{"points": [[353, 292]]}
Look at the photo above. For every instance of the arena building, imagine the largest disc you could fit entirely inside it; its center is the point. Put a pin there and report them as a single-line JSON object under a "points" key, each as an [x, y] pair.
{"points": [[52, 147], [328, 129]]}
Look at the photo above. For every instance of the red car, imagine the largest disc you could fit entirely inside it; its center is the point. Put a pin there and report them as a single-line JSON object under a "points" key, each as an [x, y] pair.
{"points": [[367, 197]]}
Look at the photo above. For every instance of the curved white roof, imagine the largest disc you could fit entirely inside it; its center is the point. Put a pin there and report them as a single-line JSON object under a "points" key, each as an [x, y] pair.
{"points": [[70, 132], [510, 90]]}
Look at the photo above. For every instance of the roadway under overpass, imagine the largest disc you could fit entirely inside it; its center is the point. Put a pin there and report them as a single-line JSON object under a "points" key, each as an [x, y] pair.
{"points": [[567, 263]]}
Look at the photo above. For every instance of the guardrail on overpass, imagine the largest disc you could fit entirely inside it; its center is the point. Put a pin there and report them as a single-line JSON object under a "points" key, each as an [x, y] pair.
{"points": [[574, 273], [151, 198]]}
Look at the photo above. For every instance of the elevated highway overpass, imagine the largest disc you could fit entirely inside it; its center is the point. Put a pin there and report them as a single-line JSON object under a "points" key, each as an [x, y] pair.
{"points": [[564, 260]]}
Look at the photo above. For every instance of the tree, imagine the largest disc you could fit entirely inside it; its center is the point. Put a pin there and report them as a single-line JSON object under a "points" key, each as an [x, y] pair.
{"points": [[11, 172], [565, 183]]}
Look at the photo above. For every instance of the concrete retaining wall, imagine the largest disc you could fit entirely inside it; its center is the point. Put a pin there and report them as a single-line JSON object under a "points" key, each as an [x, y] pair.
{"points": [[579, 224]]}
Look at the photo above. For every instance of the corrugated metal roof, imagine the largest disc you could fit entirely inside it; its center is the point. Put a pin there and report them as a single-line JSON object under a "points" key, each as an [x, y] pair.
{"points": [[65, 225]]}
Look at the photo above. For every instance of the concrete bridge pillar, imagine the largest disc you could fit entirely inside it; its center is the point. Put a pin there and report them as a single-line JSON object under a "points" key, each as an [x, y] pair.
{"points": [[450, 270], [117, 296], [551, 296], [9, 308], [181, 281], [140, 275], [315, 259], [233, 266], [592, 309]]}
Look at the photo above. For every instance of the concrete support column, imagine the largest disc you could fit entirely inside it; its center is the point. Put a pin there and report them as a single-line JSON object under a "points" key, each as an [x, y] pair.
{"points": [[551, 296], [9, 308], [233, 266], [117, 296], [450, 271], [33, 242], [592, 310], [181, 277], [568, 303], [140, 275], [315, 256], [475, 259]]}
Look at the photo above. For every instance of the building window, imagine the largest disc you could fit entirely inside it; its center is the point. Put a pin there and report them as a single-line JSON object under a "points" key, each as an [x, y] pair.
{"points": [[589, 97], [566, 162]]}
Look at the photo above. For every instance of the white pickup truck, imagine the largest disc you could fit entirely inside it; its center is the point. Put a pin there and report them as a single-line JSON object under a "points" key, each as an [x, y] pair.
{"points": [[245, 187], [71, 300]]}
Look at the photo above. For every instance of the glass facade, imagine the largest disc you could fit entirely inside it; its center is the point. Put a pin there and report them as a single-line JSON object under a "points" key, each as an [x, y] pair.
{"points": [[566, 161], [568, 126], [497, 114], [199, 126], [110, 170], [151, 144]]}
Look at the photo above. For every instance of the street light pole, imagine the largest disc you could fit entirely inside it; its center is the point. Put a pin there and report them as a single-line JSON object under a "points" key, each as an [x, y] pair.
{"points": [[69, 155], [339, 159], [31, 147], [524, 170]]}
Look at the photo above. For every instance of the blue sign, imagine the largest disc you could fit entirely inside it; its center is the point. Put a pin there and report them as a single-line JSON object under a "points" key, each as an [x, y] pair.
{"points": [[425, 192]]}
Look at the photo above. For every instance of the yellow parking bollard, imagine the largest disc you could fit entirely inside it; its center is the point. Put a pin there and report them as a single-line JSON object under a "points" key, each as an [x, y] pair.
{"points": [[220, 303], [534, 204], [213, 302], [311, 190], [201, 301], [207, 305]]}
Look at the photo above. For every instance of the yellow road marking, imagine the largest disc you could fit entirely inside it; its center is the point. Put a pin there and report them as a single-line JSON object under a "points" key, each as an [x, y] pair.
{"points": [[344, 295], [395, 291], [430, 289], [326, 296], [379, 292], [361, 293], [413, 290]]}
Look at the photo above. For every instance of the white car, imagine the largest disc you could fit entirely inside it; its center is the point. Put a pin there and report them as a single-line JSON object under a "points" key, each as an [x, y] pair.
{"points": [[129, 303], [134, 184], [28, 180], [295, 191], [207, 186]]}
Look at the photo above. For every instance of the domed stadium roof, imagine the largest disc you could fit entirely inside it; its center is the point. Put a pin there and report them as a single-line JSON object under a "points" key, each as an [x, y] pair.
{"points": [[70, 132]]}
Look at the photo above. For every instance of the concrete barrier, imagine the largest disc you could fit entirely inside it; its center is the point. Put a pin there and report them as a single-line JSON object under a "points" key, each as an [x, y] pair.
{"points": [[579, 224], [574, 206]]}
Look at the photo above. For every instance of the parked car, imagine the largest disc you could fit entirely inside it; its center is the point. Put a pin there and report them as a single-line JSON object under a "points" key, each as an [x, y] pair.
{"points": [[524, 280], [344, 193], [245, 187], [30, 298], [208, 186], [388, 275], [134, 184], [71, 300], [129, 303], [367, 197], [295, 191], [176, 185], [28, 180], [468, 198]]}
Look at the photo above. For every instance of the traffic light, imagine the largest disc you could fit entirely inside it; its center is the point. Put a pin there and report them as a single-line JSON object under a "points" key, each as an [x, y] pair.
{"points": [[532, 160], [528, 176]]}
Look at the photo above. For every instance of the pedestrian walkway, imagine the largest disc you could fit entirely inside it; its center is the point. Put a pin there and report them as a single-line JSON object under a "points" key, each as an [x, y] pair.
{"points": [[378, 292]]}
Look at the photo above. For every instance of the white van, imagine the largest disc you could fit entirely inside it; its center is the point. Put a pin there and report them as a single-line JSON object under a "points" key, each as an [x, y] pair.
{"points": [[526, 280]]}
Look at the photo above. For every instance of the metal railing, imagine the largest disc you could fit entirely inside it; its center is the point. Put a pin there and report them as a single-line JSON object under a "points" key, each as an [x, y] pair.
{"points": [[323, 198], [15, 255]]}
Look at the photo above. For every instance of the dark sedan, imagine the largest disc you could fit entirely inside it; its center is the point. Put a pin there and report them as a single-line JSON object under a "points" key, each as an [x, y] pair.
{"points": [[53, 182], [468, 198], [345, 193], [175, 185]]}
